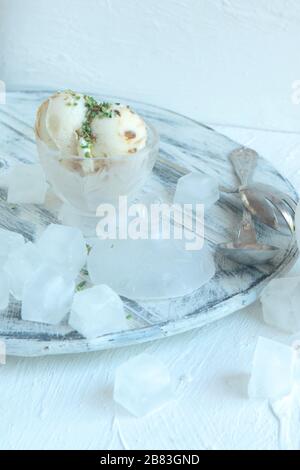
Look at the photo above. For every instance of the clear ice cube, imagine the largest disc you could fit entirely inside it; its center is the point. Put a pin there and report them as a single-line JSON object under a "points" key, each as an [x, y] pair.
{"points": [[150, 269], [27, 185], [20, 265], [142, 385], [64, 247], [280, 303], [47, 295], [4, 290], [197, 188], [97, 311], [272, 370], [9, 242]]}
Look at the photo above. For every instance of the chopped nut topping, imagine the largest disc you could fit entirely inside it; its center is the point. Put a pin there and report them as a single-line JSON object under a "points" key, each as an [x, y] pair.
{"points": [[130, 135]]}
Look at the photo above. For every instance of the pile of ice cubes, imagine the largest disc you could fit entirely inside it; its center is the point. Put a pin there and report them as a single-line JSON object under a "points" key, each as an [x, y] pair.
{"points": [[43, 276]]}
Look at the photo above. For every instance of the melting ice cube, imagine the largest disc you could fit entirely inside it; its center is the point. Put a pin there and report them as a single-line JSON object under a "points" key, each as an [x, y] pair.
{"points": [[4, 290], [142, 385], [47, 296], [64, 247], [280, 302], [197, 188], [97, 311], [9, 242], [20, 265], [27, 185], [272, 371], [148, 269]]}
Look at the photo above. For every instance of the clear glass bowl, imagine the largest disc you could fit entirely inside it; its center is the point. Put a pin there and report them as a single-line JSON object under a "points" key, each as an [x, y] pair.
{"points": [[84, 183]]}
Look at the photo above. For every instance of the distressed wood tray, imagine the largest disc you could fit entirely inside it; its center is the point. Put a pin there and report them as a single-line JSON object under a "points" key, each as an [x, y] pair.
{"points": [[186, 144]]}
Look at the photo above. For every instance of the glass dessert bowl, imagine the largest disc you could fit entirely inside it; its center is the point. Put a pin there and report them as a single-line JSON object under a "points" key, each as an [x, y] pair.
{"points": [[100, 161], [84, 183]]}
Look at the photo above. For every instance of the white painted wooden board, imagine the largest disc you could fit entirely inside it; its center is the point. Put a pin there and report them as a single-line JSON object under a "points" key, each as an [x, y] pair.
{"points": [[186, 144], [65, 402]]}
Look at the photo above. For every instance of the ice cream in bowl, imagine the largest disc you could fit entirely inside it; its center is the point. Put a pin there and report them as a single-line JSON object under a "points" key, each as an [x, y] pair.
{"points": [[93, 152]]}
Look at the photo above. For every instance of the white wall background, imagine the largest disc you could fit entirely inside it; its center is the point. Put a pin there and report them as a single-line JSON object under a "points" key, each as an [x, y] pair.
{"points": [[220, 61]]}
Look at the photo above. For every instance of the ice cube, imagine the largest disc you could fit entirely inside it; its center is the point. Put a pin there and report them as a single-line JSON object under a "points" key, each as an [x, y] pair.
{"points": [[97, 311], [272, 371], [142, 385], [27, 185], [197, 188], [64, 247], [20, 265], [47, 295], [148, 269], [280, 303], [4, 290], [9, 242]]}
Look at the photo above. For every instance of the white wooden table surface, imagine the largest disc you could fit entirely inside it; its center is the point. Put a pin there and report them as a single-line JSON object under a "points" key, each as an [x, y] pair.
{"points": [[65, 402]]}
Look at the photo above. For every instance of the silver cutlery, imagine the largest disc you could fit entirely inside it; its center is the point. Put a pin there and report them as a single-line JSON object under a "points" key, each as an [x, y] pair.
{"points": [[269, 205], [246, 249]]}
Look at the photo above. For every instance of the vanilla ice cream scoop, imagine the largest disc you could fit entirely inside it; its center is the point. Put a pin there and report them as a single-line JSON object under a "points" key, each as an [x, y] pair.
{"points": [[41, 130], [78, 125], [123, 132], [58, 119]]}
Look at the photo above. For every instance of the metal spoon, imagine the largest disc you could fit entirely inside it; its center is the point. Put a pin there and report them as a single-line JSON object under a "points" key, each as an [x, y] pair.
{"points": [[269, 205], [246, 249], [244, 162]]}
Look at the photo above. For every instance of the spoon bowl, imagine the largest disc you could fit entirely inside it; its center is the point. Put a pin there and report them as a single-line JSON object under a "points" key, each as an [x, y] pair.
{"points": [[250, 254]]}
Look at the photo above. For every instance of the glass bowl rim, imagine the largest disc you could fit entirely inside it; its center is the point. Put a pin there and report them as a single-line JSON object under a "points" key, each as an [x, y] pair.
{"points": [[152, 141]]}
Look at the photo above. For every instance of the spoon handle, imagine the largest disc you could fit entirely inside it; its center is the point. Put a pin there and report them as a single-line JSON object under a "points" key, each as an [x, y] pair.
{"points": [[244, 162], [247, 233]]}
